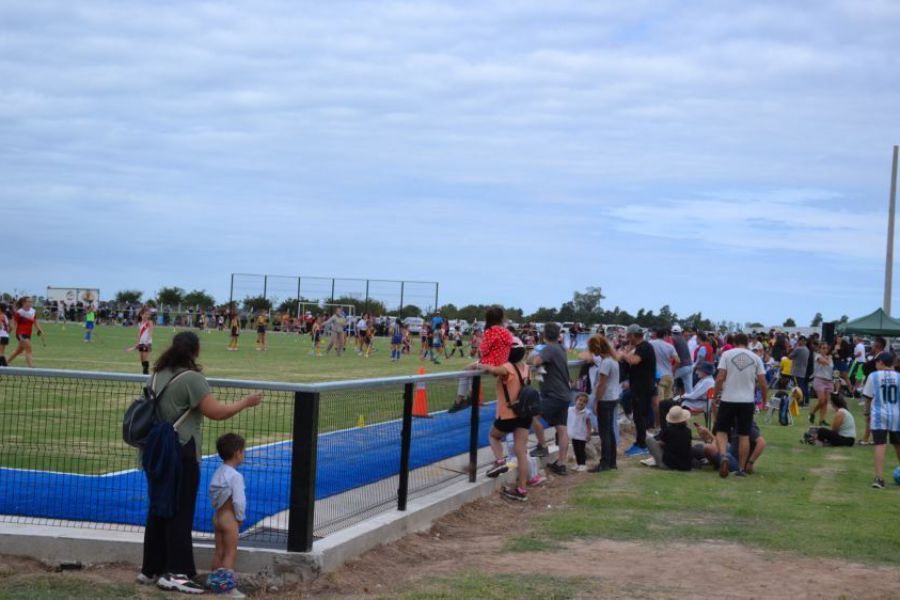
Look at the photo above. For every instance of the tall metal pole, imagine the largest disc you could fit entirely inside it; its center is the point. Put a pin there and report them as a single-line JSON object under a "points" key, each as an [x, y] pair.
{"points": [[889, 260], [231, 295]]}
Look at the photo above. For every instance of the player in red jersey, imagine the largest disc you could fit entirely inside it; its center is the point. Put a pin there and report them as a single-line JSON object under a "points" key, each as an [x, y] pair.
{"points": [[25, 321]]}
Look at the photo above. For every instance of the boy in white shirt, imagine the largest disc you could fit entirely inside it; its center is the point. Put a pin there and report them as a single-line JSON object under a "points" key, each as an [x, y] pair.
{"points": [[226, 492]]}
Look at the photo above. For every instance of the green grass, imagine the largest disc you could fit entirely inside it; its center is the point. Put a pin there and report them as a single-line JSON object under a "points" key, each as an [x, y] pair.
{"points": [[814, 501], [75, 426], [498, 586], [61, 587]]}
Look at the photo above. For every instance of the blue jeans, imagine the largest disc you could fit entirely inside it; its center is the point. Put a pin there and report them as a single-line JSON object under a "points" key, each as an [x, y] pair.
{"points": [[686, 375]]}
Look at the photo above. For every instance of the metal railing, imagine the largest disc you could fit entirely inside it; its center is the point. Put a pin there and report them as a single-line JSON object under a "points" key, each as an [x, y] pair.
{"points": [[319, 456]]}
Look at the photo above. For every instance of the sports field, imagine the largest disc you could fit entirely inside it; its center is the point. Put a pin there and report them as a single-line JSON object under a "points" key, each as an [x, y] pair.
{"points": [[287, 358]]}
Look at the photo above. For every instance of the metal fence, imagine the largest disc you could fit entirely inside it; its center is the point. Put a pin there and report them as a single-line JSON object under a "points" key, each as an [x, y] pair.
{"points": [[319, 457]]}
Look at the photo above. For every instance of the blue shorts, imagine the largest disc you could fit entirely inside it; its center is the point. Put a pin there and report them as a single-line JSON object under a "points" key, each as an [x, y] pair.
{"points": [[396, 340], [841, 366], [88, 324]]}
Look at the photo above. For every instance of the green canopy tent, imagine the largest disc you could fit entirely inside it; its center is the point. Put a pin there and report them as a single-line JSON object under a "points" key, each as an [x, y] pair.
{"points": [[877, 323]]}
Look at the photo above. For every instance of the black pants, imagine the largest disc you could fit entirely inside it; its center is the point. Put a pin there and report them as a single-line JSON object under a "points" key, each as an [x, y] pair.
{"points": [[641, 402], [606, 414], [803, 384], [832, 438], [168, 547], [580, 454]]}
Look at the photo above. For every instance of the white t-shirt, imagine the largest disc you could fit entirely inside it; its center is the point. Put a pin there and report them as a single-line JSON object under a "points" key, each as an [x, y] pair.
{"points": [[742, 368], [665, 352], [859, 352], [576, 423], [361, 325], [697, 400], [692, 345], [848, 425]]}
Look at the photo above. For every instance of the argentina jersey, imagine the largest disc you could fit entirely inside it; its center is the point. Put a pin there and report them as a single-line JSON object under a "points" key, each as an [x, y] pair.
{"points": [[882, 388]]}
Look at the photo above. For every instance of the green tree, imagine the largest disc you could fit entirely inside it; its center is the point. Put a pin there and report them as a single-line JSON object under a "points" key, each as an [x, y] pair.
{"points": [[128, 296], [844, 319], [755, 325], [257, 303], [544, 315], [288, 306], [170, 296], [410, 310], [817, 320], [199, 298], [471, 312], [587, 304], [789, 322], [449, 311]]}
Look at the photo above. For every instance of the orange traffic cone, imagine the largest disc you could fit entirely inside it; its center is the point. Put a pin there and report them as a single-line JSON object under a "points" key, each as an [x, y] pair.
{"points": [[420, 401]]}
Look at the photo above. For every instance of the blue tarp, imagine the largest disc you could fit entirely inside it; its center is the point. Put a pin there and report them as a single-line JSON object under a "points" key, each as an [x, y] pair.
{"points": [[346, 460]]}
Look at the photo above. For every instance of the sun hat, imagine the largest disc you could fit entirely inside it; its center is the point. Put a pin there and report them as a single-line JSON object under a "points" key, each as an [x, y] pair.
{"points": [[634, 329], [676, 328], [678, 415]]}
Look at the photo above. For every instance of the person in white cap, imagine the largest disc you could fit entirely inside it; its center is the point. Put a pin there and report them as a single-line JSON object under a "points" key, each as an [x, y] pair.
{"points": [[685, 372]]}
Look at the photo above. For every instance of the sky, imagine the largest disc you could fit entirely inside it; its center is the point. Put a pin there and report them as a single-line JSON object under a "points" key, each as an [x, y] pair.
{"points": [[732, 158]]}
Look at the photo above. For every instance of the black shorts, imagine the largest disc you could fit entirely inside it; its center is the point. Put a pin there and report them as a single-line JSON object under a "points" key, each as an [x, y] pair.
{"points": [[4, 341], [736, 414], [144, 347], [510, 425], [23, 336], [260, 330], [234, 332], [881, 437], [554, 411]]}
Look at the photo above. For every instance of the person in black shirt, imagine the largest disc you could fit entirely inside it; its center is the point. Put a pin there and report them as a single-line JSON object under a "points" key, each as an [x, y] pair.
{"points": [[641, 359], [671, 449]]}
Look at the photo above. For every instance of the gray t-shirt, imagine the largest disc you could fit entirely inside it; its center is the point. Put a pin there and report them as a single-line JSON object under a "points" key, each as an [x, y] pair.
{"points": [[610, 368], [665, 352], [821, 371], [555, 385], [799, 360], [183, 393], [681, 348]]}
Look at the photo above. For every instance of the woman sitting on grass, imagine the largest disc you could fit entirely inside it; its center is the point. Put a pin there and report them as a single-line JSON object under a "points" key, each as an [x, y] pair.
{"points": [[671, 448], [843, 427]]}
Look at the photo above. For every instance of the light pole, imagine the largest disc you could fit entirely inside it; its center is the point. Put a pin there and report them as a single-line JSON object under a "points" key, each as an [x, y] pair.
{"points": [[889, 259]]}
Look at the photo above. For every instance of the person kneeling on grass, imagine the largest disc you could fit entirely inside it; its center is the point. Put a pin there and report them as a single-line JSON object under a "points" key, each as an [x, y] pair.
{"points": [[709, 451], [843, 427], [511, 375], [671, 448], [226, 492]]}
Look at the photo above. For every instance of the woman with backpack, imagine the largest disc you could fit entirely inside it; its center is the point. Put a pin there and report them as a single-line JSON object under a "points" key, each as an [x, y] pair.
{"points": [[182, 394], [511, 376]]}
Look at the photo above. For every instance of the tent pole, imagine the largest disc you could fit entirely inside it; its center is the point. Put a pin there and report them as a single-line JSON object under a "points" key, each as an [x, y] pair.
{"points": [[889, 259]]}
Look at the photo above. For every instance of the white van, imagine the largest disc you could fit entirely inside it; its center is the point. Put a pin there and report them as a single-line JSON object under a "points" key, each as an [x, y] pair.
{"points": [[414, 324]]}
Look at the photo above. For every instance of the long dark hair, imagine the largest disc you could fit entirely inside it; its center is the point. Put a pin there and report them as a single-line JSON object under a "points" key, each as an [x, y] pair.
{"points": [[493, 316], [182, 354], [837, 400]]}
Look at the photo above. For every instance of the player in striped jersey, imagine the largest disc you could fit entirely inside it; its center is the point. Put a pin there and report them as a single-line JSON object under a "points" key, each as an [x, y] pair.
{"points": [[145, 338], [881, 392]]}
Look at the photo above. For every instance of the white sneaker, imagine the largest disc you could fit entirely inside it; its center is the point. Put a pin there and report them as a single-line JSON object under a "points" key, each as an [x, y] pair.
{"points": [[581, 468], [233, 593], [144, 580], [178, 583], [649, 462]]}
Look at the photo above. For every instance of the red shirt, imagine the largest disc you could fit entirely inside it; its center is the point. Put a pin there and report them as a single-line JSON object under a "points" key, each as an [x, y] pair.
{"points": [[495, 346], [24, 321]]}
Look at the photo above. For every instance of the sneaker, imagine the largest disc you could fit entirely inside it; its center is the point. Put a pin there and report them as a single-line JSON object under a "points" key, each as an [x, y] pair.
{"points": [[537, 481], [649, 462], [581, 468], [636, 451], [812, 418], [500, 467], [558, 469], [600, 468], [723, 468], [740, 473], [145, 580], [232, 593], [824, 424], [514, 494], [459, 405], [866, 443], [178, 583], [878, 484], [539, 452]]}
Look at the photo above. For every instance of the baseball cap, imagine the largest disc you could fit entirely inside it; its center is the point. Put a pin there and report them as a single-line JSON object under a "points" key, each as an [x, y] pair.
{"points": [[885, 358], [634, 329], [676, 328]]}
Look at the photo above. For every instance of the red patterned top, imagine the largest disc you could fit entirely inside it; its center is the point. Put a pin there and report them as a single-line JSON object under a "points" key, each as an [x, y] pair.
{"points": [[495, 346]]}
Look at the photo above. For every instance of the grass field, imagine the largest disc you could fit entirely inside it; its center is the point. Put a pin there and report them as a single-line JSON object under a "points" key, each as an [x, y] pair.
{"points": [[287, 359], [805, 499]]}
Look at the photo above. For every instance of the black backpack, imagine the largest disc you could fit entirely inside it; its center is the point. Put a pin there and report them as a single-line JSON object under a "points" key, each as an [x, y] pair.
{"points": [[142, 414], [528, 402]]}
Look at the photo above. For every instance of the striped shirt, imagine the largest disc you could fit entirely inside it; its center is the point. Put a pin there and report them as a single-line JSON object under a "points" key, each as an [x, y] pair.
{"points": [[882, 388]]}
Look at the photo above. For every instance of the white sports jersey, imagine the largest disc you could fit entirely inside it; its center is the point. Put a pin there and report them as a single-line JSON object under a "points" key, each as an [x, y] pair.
{"points": [[4, 325], [144, 335], [882, 388]]}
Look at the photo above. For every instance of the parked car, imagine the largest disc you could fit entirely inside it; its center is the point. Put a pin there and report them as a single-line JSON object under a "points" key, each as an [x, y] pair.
{"points": [[414, 324], [462, 323]]}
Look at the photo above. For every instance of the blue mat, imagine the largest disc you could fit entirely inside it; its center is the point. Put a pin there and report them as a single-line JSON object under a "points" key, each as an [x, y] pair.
{"points": [[347, 459]]}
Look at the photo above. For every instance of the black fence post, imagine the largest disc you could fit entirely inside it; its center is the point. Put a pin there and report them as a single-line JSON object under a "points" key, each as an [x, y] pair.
{"points": [[405, 444], [301, 516], [473, 427]]}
